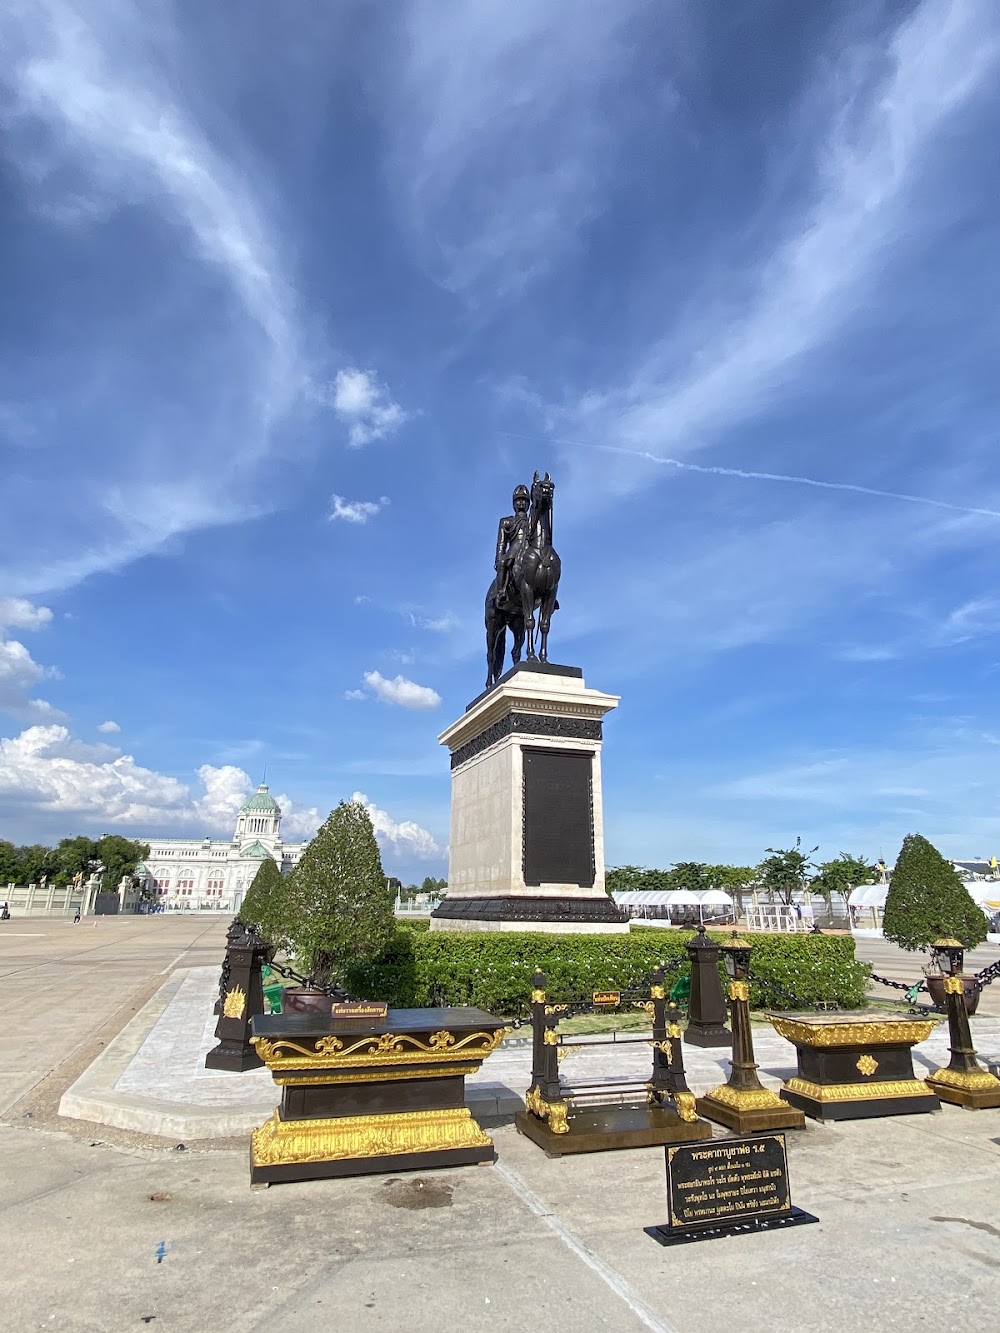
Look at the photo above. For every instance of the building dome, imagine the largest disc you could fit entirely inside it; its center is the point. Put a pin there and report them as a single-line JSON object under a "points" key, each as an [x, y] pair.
{"points": [[261, 800]]}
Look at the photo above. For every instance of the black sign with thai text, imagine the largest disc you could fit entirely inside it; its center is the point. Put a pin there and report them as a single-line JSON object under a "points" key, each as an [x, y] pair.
{"points": [[730, 1180]]}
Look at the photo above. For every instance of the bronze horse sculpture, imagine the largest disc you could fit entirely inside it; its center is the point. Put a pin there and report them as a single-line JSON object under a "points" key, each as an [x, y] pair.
{"points": [[527, 579], [537, 568]]}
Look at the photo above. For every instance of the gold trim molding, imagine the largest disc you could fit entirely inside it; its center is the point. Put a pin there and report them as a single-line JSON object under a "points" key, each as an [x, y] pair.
{"points": [[746, 1099], [553, 1112], [973, 1081], [386, 1049], [851, 1092], [862, 1033], [287, 1142]]}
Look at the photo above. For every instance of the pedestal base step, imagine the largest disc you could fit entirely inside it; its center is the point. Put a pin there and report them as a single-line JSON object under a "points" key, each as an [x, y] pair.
{"points": [[600, 1130], [859, 1101], [315, 1149], [749, 1119], [976, 1091]]}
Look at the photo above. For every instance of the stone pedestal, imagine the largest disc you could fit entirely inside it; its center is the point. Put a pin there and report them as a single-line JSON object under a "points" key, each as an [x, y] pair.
{"points": [[527, 829], [852, 1067]]}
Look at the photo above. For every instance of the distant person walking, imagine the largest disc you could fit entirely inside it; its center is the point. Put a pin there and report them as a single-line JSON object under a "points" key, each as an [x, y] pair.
{"points": [[76, 918]]}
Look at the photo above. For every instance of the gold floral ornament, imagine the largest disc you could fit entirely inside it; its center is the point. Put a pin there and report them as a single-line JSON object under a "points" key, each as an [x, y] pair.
{"points": [[440, 1041], [234, 1003], [867, 1065]]}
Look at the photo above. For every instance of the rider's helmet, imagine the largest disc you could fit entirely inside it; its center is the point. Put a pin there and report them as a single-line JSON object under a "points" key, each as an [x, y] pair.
{"points": [[520, 492]]}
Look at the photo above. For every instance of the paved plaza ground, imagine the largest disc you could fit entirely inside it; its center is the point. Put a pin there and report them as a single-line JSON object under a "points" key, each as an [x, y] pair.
{"points": [[107, 1229]]}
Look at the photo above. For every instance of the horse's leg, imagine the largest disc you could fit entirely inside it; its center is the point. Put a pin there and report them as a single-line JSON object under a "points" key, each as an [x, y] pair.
{"points": [[494, 641], [517, 631], [544, 620], [528, 606]]}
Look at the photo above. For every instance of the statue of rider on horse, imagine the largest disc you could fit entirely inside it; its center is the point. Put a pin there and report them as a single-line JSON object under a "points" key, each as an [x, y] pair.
{"points": [[527, 579]]}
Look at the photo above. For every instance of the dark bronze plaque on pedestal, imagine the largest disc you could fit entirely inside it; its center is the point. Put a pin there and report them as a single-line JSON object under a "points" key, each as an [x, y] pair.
{"points": [[558, 817], [725, 1188]]}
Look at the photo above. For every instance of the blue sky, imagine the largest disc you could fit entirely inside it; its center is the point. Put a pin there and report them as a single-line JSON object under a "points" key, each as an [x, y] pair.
{"points": [[294, 295]]}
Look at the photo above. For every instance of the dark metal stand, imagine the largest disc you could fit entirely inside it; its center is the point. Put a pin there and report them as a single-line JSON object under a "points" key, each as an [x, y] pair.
{"points": [[706, 1007], [593, 1117]]}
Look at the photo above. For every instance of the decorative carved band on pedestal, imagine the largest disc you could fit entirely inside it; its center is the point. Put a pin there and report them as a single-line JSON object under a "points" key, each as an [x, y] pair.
{"points": [[532, 724], [519, 907]]}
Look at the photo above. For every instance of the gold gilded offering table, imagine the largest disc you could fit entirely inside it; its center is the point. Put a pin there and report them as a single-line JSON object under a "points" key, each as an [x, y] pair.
{"points": [[850, 1068], [359, 1096]]}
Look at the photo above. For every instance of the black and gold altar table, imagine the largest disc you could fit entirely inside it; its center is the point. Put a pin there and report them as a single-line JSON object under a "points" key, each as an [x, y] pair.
{"points": [[852, 1067], [363, 1095]]}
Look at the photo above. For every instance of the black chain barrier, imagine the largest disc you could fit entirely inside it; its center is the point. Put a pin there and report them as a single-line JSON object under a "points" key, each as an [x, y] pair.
{"points": [[309, 983]]}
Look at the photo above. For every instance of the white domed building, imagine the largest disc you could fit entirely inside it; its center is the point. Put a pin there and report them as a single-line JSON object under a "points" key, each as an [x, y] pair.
{"points": [[183, 874]]}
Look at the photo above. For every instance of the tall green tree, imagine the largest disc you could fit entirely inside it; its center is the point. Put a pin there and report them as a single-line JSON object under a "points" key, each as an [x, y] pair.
{"points": [[10, 865], [75, 855], [690, 875], [119, 856], [266, 903], [927, 900], [432, 886], [339, 908], [784, 872], [734, 880], [37, 861], [842, 875]]}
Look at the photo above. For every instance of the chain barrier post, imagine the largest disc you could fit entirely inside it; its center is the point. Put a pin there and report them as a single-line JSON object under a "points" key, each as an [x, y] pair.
{"points": [[964, 1082], [243, 997]]}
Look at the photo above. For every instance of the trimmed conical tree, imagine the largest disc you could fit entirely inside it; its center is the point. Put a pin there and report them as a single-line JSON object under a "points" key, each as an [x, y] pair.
{"points": [[266, 904], [339, 907], [927, 900]]}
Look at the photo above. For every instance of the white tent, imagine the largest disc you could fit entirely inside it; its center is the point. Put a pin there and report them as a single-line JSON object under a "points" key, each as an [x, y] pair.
{"points": [[716, 898], [868, 895]]}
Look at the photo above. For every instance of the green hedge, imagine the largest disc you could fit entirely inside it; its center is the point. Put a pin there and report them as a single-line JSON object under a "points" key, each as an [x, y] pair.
{"points": [[493, 969]]}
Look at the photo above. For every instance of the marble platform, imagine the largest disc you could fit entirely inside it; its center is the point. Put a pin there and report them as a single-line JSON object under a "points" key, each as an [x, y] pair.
{"points": [[152, 1078]]}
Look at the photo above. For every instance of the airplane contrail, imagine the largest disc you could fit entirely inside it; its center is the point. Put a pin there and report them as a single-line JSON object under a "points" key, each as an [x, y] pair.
{"points": [[709, 470]]}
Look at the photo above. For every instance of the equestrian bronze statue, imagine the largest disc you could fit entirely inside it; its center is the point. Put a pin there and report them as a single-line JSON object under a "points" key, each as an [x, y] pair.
{"points": [[527, 579]]}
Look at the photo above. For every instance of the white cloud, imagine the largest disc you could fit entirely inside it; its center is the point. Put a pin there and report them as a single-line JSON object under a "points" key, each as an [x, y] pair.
{"points": [[403, 837], [20, 674], [48, 771], [17, 613], [108, 726], [355, 694], [399, 690], [365, 406], [354, 511]]}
